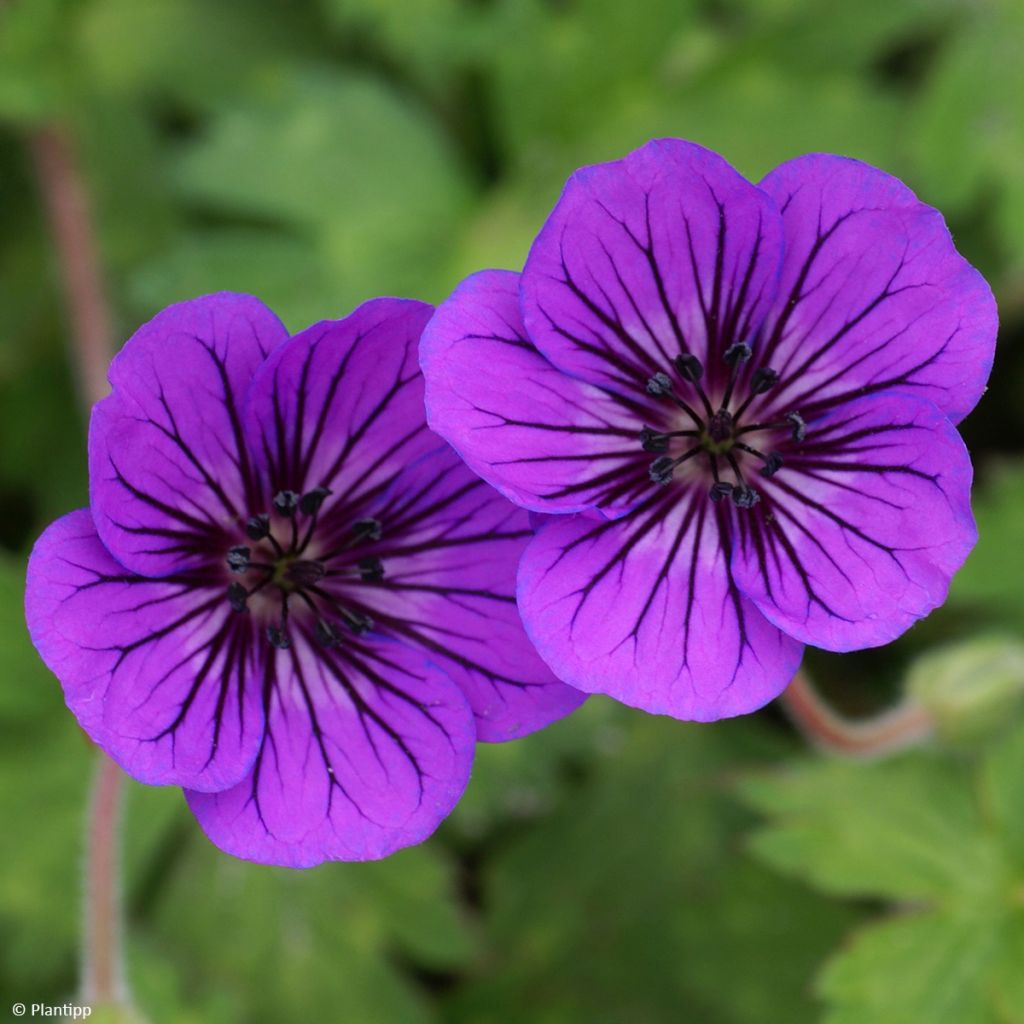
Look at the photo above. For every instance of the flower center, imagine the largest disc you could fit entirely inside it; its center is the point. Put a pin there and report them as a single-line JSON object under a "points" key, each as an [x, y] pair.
{"points": [[717, 434], [282, 565]]}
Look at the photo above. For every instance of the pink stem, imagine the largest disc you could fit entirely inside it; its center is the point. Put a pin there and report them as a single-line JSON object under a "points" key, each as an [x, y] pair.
{"points": [[74, 238], [905, 725]]}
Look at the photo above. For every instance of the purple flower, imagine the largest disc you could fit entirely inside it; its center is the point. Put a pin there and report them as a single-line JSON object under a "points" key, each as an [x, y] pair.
{"points": [[737, 403], [288, 596]]}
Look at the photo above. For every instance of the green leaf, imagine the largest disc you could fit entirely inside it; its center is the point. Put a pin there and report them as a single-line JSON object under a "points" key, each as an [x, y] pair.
{"points": [[937, 831], [990, 580], [345, 161], [620, 905]]}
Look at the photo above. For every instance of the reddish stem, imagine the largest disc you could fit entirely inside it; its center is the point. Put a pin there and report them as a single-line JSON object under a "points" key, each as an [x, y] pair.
{"points": [[74, 238], [905, 725]]}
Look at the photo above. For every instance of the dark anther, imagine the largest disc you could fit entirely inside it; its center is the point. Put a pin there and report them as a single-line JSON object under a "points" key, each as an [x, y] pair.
{"points": [[238, 559], [772, 464], [799, 427], [258, 527], [326, 634], [745, 497], [237, 595], [310, 502], [367, 529], [763, 380], [738, 353], [278, 638], [286, 502], [720, 425], [652, 441], [661, 470], [719, 491], [304, 573], [659, 385], [689, 367], [359, 623], [371, 569]]}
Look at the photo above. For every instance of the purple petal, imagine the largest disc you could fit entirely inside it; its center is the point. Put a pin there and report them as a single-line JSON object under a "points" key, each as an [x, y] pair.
{"points": [[645, 610], [545, 440], [168, 469], [156, 671], [873, 294], [859, 533], [668, 251], [450, 546], [341, 405], [367, 750]]}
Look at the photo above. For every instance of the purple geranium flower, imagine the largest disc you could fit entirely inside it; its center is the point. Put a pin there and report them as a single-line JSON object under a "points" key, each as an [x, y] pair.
{"points": [[738, 402], [288, 596]]}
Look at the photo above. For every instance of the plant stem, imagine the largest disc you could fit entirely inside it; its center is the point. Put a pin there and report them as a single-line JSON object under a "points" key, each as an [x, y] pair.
{"points": [[66, 199], [102, 982], [67, 206], [903, 726]]}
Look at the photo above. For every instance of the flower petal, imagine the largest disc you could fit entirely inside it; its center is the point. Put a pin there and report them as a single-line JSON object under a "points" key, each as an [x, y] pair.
{"points": [[450, 546], [341, 404], [666, 251], [367, 750], [167, 465], [860, 532], [645, 610], [547, 441], [873, 294], [156, 671]]}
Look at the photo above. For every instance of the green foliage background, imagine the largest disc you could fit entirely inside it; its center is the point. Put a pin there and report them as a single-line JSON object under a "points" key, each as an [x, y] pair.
{"points": [[617, 868]]}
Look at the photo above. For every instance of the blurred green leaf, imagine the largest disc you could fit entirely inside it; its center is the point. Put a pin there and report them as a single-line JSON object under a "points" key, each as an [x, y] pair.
{"points": [[991, 578], [347, 161], [933, 830], [620, 906]]}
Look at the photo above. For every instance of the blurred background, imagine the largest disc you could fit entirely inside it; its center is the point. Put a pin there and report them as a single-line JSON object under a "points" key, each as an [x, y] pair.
{"points": [[616, 868]]}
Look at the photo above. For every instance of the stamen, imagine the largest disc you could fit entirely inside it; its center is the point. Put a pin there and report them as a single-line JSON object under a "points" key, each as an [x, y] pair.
{"points": [[719, 490], [278, 638], [258, 527], [238, 597], [371, 570], [659, 385], [326, 634], [652, 441], [310, 502], [738, 353], [286, 502], [238, 559], [763, 380], [367, 529], [690, 367], [661, 469], [799, 426], [745, 497], [772, 461]]}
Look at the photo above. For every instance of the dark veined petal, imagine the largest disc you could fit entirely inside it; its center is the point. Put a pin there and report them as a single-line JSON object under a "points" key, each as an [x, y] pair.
{"points": [[860, 532], [450, 546], [645, 610], [367, 750], [158, 672], [341, 404], [669, 250], [873, 294], [168, 468], [547, 441]]}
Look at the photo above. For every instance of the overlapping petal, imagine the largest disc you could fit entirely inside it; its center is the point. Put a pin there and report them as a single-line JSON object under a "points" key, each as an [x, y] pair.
{"points": [[449, 546], [367, 749], [547, 441], [669, 250], [873, 295], [645, 609], [168, 467], [859, 534], [159, 672], [341, 404]]}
